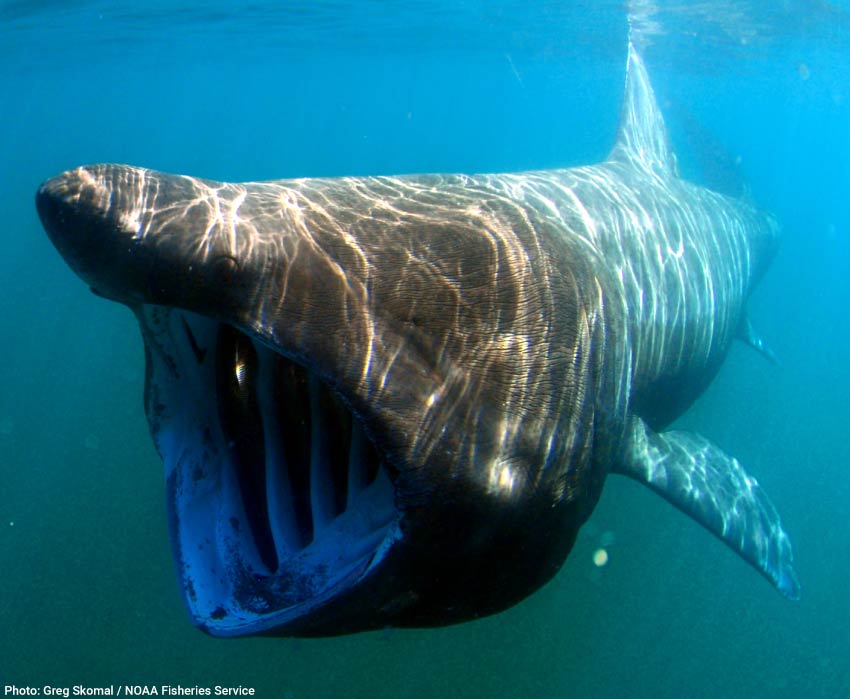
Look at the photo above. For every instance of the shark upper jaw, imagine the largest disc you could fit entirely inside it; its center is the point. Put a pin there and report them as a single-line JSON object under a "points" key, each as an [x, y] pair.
{"points": [[278, 501]]}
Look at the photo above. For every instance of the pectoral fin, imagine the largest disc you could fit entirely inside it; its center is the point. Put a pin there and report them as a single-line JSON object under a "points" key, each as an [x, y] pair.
{"points": [[694, 475]]}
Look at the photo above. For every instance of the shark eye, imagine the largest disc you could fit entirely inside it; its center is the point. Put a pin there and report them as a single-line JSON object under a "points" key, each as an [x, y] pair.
{"points": [[225, 268]]}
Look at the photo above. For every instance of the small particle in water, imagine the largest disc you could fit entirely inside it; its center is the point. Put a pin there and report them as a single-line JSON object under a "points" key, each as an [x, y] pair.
{"points": [[600, 558], [92, 442], [607, 538], [11, 524], [803, 71]]}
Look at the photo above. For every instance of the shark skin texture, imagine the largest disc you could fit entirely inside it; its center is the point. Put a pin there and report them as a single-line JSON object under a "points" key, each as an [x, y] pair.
{"points": [[393, 401]]}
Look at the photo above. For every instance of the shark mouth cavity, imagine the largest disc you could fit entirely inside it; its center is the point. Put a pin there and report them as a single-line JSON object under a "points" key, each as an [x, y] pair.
{"points": [[278, 501]]}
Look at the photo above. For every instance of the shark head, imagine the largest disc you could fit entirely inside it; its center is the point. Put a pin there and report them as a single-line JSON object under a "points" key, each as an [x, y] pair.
{"points": [[368, 406]]}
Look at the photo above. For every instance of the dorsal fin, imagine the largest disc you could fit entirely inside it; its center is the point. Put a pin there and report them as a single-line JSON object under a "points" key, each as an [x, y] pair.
{"points": [[642, 139]]}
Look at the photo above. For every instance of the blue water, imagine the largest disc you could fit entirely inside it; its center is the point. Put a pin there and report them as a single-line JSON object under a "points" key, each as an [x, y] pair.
{"points": [[87, 591]]}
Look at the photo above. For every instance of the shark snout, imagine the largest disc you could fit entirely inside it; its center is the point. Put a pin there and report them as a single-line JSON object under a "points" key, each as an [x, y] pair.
{"points": [[132, 234], [87, 195], [57, 203], [75, 210], [79, 187]]}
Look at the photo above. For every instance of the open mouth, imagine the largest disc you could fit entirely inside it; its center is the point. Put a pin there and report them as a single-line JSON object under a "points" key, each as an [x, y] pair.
{"points": [[278, 501]]}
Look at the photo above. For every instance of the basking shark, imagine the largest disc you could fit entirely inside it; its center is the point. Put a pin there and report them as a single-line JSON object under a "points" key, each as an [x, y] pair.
{"points": [[393, 401]]}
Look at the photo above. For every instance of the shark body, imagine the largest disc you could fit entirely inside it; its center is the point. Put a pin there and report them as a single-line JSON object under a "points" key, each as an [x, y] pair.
{"points": [[395, 400]]}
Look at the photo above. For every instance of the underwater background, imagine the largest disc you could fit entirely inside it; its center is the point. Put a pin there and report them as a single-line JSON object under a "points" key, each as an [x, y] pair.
{"points": [[757, 99]]}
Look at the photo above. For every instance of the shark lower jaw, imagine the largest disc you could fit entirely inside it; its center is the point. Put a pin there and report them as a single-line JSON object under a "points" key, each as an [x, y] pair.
{"points": [[278, 501]]}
